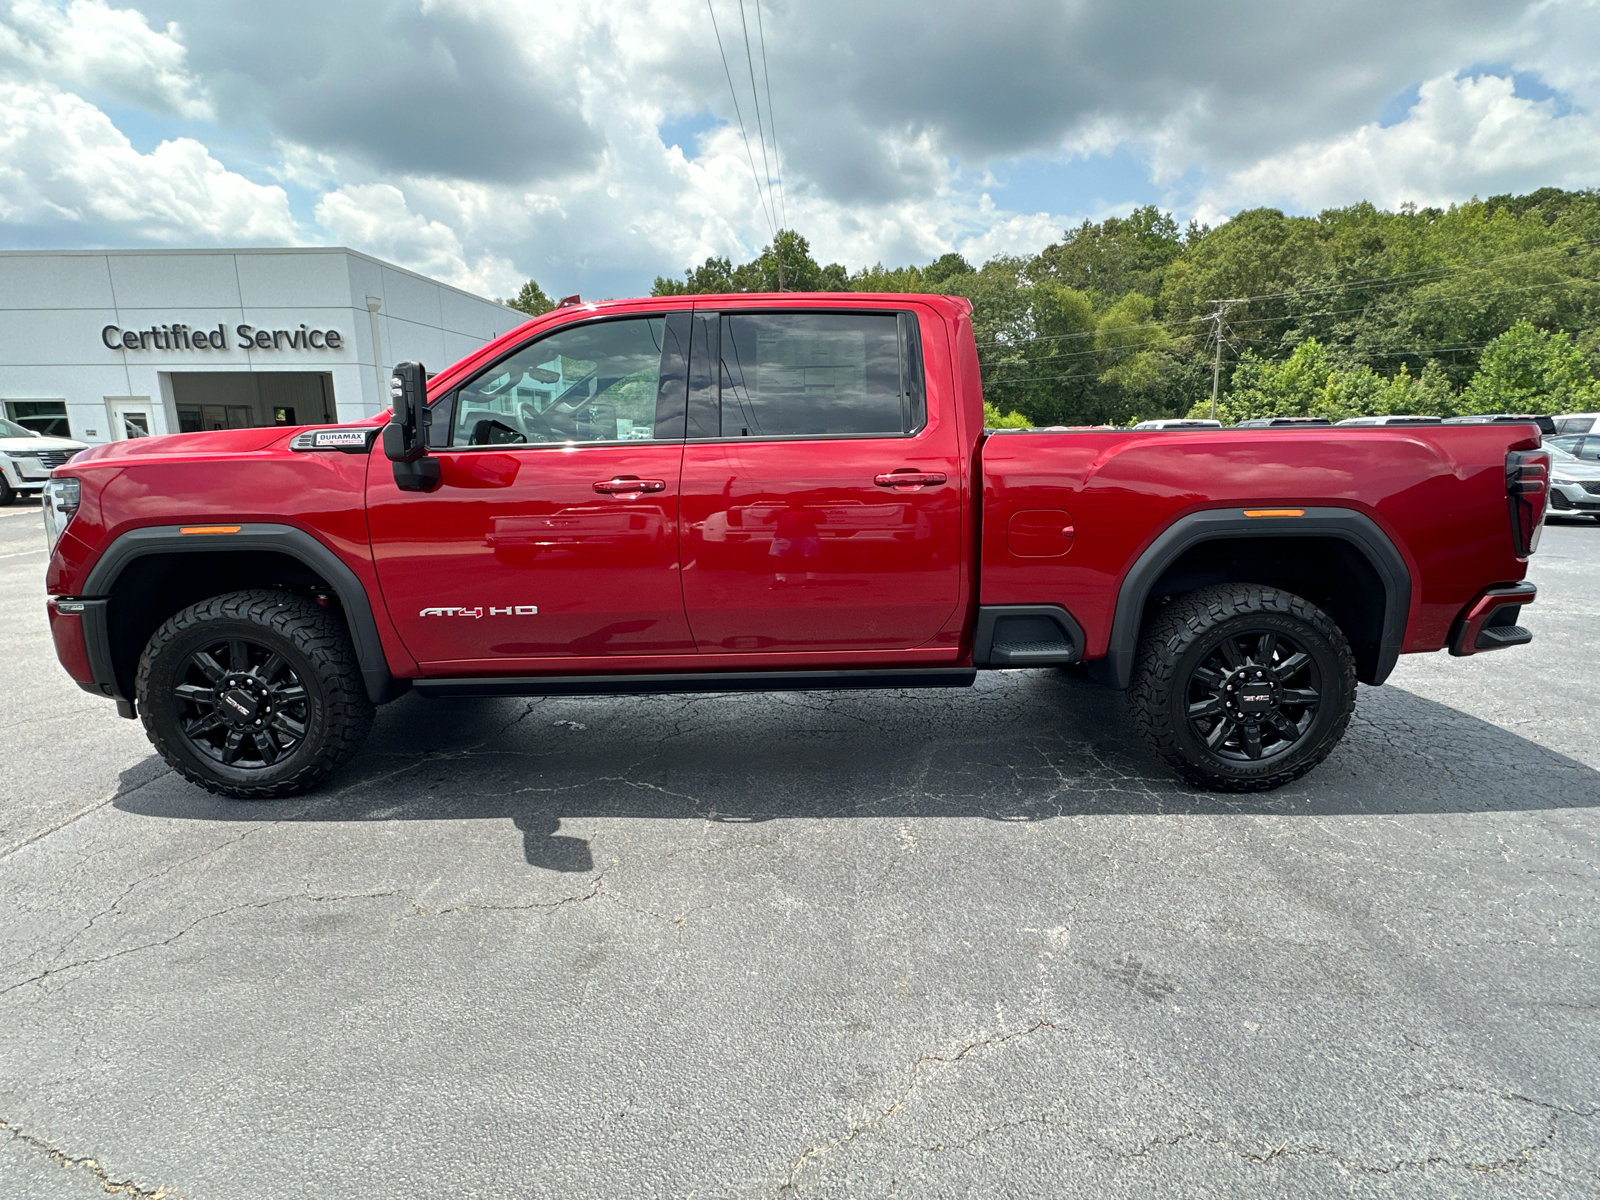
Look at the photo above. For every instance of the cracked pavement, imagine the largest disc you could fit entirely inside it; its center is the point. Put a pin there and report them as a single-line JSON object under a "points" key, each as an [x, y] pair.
{"points": [[932, 944]]}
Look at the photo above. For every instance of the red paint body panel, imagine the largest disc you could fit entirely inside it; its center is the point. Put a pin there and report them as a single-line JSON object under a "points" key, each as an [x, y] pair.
{"points": [[66, 631], [1437, 491], [781, 554], [523, 527], [791, 547]]}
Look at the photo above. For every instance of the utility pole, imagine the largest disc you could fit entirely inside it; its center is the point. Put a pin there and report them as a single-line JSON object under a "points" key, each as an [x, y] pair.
{"points": [[1216, 367]]}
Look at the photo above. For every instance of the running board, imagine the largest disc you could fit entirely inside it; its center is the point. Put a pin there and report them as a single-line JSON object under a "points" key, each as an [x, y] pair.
{"points": [[704, 681]]}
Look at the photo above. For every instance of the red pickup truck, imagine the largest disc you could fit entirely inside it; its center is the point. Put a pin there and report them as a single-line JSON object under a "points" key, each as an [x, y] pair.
{"points": [[769, 493]]}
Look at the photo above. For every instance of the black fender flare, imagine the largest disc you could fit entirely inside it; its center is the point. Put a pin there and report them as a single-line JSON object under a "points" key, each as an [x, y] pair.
{"points": [[1360, 530], [294, 543]]}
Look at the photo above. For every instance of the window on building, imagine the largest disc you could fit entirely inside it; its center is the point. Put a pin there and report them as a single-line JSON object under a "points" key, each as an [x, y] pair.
{"points": [[48, 417], [205, 417]]}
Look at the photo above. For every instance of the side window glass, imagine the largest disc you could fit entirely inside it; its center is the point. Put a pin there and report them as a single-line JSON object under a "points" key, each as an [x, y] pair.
{"points": [[815, 374], [589, 383]]}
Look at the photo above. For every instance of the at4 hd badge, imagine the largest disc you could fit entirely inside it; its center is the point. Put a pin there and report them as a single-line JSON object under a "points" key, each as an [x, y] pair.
{"points": [[514, 610]]}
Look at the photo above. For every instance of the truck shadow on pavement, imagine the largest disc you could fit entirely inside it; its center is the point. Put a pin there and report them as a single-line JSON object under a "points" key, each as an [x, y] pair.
{"points": [[1019, 746]]}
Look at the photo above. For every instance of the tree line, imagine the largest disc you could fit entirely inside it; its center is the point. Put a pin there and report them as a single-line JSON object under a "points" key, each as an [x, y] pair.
{"points": [[1488, 306]]}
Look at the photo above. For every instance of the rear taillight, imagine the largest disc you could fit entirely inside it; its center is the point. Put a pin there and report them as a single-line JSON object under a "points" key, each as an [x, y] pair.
{"points": [[1527, 488]]}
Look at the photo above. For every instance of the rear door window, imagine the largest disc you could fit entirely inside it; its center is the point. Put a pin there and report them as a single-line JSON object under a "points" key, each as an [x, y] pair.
{"points": [[808, 375]]}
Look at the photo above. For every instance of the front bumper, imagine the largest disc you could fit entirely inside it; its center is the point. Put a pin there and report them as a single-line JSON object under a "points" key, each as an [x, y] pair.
{"points": [[24, 474], [83, 646], [1573, 497]]}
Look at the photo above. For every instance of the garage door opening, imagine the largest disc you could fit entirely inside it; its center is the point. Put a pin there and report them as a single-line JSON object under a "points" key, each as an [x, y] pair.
{"points": [[244, 399]]}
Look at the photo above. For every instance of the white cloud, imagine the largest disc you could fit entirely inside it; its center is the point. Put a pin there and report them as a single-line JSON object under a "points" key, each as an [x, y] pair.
{"points": [[92, 46], [63, 163], [375, 218], [483, 141], [1463, 136]]}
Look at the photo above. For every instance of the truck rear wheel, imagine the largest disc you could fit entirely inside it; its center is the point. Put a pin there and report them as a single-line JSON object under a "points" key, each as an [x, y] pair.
{"points": [[254, 694], [1243, 688]]}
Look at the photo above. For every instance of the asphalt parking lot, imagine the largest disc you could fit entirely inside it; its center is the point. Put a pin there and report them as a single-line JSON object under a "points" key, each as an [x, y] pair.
{"points": [[928, 944]]}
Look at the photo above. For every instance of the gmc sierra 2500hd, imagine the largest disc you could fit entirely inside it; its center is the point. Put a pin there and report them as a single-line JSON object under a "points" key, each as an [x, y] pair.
{"points": [[769, 493]]}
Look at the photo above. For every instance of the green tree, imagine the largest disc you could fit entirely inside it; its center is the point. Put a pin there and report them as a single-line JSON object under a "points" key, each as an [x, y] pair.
{"points": [[800, 272], [531, 300], [1117, 256], [993, 418], [1529, 370]]}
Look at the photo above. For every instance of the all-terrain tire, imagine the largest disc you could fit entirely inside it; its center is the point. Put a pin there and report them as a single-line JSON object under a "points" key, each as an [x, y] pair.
{"points": [[1178, 660], [315, 667]]}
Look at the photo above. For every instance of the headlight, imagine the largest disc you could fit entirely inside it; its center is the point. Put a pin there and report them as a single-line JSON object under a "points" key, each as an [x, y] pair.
{"points": [[61, 497], [1564, 481]]}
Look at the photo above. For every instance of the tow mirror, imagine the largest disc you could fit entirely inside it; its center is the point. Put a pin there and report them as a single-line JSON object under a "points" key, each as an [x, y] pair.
{"points": [[405, 438]]}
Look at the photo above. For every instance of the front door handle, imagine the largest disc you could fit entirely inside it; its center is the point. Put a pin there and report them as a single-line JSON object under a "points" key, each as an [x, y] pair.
{"points": [[627, 484], [905, 477]]}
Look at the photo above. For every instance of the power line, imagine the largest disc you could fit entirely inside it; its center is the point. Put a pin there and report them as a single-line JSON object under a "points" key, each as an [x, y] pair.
{"points": [[1352, 356], [1442, 271], [761, 134], [755, 98], [1337, 312], [1353, 285], [760, 196], [772, 121]]}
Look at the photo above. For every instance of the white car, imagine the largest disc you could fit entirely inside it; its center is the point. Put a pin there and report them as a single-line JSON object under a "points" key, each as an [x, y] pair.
{"points": [[1574, 484], [27, 458], [1577, 423]]}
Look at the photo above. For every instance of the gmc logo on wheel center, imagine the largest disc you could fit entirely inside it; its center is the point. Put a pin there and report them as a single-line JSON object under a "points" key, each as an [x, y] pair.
{"points": [[515, 610]]}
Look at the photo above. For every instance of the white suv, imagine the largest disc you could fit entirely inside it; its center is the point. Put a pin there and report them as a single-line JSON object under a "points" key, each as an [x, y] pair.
{"points": [[27, 458], [1577, 423]]}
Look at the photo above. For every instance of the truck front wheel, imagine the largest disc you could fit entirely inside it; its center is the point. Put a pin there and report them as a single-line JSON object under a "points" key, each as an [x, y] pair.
{"points": [[254, 694], [1243, 688]]}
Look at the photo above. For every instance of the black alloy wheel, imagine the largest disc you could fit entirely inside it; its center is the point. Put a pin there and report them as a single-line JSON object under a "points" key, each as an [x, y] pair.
{"points": [[1241, 687], [241, 703], [1254, 696], [254, 694]]}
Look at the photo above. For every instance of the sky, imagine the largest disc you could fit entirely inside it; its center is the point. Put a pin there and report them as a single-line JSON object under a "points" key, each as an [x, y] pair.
{"points": [[594, 144]]}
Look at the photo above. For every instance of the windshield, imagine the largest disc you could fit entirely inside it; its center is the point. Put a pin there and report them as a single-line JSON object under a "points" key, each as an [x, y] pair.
{"points": [[12, 429], [1557, 454]]}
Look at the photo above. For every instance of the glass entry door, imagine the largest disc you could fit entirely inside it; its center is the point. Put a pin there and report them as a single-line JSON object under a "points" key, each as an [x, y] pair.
{"points": [[131, 418]]}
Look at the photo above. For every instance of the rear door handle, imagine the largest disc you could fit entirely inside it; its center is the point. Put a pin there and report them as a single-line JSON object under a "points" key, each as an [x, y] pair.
{"points": [[908, 478], [624, 484]]}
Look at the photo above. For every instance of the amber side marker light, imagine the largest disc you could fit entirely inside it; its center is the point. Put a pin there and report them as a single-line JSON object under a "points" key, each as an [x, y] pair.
{"points": [[1274, 512], [209, 528]]}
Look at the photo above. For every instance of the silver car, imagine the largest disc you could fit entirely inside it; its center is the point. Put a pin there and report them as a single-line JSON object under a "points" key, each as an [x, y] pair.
{"points": [[1574, 484]]}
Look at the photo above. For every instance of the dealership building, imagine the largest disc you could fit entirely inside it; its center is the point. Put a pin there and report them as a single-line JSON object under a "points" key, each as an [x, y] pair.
{"points": [[100, 345]]}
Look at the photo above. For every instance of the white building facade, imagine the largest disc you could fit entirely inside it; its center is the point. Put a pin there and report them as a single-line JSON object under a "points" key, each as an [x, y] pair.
{"points": [[100, 345]]}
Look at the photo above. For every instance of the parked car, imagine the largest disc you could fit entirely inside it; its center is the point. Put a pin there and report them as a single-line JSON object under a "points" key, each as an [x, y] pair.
{"points": [[770, 492], [1574, 483], [1577, 423], [28, 457], [1586, 447], [1391, 420]]}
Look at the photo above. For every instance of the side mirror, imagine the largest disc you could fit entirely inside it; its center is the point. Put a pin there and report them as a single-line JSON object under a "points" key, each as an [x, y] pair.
{"points": [[405, 437]]}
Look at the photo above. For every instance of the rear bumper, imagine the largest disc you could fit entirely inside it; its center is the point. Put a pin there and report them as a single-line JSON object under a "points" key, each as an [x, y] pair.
{"points": [[1490, 621]]}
